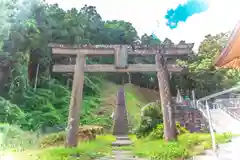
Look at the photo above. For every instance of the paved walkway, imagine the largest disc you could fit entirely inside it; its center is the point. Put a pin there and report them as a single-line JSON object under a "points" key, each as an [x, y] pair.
{"points": [[228, 151], [121, 155], [223, 122]]}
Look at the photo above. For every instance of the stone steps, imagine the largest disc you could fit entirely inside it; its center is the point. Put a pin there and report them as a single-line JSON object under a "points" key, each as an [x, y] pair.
{"points": [[121, 155]]}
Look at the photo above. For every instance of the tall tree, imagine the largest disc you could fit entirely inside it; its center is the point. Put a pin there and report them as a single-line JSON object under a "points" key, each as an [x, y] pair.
{"points": [[203, 76]]}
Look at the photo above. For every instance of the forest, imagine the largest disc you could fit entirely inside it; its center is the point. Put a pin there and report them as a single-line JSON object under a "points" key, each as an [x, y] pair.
{"points": [[35, 98]]}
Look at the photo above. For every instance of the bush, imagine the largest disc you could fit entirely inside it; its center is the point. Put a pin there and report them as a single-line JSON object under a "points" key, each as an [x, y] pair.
{"points": [[157, 133], [11, 113], [159, 149], [89, 132], [170, 151], [85, 133], [15, 138], [153, 110], [181, 129], [150, 118], [151, 123], [53, 139]]}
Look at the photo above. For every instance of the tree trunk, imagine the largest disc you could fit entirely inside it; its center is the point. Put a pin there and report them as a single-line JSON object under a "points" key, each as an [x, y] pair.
{"points": [[166, 99], [4, 73]]}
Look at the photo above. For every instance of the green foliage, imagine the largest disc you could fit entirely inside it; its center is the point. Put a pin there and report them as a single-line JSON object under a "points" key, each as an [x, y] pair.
{"points": [[11, 113], [85, 133], [13, 137], [151, 117], [180, 129], [151, 124], [169, 151], [157, 133], [88, 150], [203, 77], [46, 107], [149, 41], [28, 43], [53, 139], [189, 140], [187, 145]]}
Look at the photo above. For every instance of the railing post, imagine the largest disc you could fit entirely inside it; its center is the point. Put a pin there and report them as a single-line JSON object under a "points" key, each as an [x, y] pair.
{"points": [[194, 98], [211, 127]]}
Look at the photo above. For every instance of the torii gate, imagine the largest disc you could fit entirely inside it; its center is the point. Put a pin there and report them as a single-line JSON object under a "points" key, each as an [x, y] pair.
{"points": [[120, 52]]}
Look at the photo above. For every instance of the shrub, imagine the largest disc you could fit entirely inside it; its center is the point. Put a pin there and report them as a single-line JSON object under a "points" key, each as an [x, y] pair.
{"points": [[153, 110], [181, 129], [151, 123], [89, 132], [159, 149], [150, 118], [14, 137], [169, 151], [53, 139], [157, 133], [11, 113], [85, 133]]}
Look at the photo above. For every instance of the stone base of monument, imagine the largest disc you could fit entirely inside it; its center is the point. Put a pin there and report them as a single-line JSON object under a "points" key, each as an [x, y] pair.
{"points": [[122, 141]]}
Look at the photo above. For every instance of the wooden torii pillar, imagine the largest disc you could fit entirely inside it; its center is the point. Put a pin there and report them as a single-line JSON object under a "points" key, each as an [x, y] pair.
{"points": [[121, 53]]}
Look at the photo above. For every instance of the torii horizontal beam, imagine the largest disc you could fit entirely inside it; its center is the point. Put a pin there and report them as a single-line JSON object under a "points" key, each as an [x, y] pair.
{"points": [[59, 49], [112, 68]]}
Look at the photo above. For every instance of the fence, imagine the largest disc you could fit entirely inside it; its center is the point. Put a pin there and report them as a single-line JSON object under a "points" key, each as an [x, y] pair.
{"points": [[230, 106], [216, 101]]}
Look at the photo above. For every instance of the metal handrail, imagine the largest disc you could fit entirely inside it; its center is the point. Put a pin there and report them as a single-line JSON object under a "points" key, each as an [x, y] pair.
{"points": [[208, 111], [234, 115], [219, 93], [210, 123]]}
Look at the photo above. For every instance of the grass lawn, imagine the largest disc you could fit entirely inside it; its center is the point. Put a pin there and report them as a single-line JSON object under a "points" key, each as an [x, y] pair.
{"points": [[187, 145]]}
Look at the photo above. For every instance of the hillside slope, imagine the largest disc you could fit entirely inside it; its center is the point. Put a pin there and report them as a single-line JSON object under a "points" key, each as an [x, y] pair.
{"points": [[135, 97]]}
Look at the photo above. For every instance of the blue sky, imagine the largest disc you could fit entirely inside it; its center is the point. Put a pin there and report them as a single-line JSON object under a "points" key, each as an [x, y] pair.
{"points": [[147, 16]]}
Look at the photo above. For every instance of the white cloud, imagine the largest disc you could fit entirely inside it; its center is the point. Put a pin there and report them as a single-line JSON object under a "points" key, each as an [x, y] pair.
{"points": [[222, 16]]}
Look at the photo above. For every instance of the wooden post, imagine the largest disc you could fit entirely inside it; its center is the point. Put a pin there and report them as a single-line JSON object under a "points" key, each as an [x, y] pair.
{"points": [[36, 78], [75, 103], [121, 57], [129, 78], [166, 99]]}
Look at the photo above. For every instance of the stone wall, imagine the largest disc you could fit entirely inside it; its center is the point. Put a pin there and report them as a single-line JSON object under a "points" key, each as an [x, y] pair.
{"points": [[191, 118]]}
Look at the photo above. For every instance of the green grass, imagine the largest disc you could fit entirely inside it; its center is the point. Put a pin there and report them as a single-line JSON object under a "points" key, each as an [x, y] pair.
{"points": [[134, 102], [85, 151], [187, 145]]}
